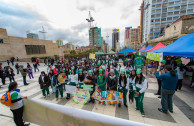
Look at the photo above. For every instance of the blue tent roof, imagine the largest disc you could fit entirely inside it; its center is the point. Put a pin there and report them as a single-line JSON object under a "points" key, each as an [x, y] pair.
{"points": [[128, 50], [184, 46], [147, 48]]}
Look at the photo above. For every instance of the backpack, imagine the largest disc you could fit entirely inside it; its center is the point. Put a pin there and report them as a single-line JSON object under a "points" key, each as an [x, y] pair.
{"points": [[6, 99]]}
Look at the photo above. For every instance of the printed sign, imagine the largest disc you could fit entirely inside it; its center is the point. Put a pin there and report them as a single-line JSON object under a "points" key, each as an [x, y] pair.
{"points": [[155, 56], [97, 95], [70, 89], [62, 78], [81, 97], [92, 56], [111, 97], [139, 61], [87, 87]]}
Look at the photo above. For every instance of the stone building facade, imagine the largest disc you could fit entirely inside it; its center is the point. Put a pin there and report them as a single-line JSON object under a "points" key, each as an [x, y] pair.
{"points": [[25, 47]]}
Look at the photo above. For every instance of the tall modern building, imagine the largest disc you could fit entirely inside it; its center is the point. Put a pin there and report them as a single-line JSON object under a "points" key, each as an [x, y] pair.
{"points": [[95, 36], [32, 35], [131, 35], [160, 13], [115, 40]]}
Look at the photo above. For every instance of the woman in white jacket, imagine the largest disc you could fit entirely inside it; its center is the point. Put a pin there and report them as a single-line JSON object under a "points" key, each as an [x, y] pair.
{"points": [[139, 88]]}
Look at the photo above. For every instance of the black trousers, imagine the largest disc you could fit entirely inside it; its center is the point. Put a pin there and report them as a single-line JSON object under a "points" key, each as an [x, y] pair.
{"points": [[17, 116], [159, 86], [3, 80], [179, 84]]}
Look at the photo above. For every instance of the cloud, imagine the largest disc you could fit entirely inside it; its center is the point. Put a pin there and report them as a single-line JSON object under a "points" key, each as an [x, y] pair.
{"points": [[18, 21]]}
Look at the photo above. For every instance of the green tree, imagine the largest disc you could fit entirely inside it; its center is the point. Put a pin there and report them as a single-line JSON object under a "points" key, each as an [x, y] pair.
{"points": [[113, 49], [72, 52]]}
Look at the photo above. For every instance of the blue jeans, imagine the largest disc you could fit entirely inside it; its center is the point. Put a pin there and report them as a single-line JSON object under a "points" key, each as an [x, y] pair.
{"points": [[24, 80], [166, 101]]}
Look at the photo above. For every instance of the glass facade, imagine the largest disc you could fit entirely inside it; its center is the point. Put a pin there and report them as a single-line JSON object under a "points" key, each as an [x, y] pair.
{"points": [[165, 12], [95, 36]]}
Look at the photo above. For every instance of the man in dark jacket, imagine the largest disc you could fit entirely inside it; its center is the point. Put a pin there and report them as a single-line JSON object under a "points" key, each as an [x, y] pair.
{"points": [[112, 81], [44, 84], [23, 73], [2, 74], [91, 80]]}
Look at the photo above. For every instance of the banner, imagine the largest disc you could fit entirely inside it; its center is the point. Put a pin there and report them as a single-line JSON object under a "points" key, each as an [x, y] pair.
{"points": [[87, 87], [139, 61], [97, 95], [49, 114], [108, 97], [92, 56], [70, 89], [81, 97], [155, 56], [111, 97]]}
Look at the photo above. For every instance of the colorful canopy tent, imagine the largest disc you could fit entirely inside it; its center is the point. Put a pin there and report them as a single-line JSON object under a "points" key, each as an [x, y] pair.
{"points": [[128, 50], [99, 53], [142, 48], [147, 48], [111, 52], [184, 47], [158, 46]]}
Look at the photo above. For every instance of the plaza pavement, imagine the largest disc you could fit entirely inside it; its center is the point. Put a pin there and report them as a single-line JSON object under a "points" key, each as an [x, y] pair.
{"points": [[183, 104]]}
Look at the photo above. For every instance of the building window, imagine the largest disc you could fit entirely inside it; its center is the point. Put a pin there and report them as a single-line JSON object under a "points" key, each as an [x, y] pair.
{"points": [[35, 49], [1, 40]]}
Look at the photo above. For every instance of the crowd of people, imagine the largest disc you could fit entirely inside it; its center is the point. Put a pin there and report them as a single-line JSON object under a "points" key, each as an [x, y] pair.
{"points": [[103, 74]]}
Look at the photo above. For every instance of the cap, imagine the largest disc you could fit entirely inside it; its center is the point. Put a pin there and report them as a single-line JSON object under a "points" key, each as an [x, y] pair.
{"points": [[80, 70], [163, 61], [122, 72], [89, 72], [112, 71], [55, 71], [100, 71], [138, 71], [103, 61], [63, 70]]}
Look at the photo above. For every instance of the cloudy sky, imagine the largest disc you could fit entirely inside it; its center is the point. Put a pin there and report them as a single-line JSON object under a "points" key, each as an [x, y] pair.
{"points": [[66, 19]]}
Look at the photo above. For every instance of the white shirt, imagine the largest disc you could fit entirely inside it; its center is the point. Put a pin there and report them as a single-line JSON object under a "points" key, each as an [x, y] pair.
{"points": [[142, 86], [130, 80], [42, 79], [180, 73]]}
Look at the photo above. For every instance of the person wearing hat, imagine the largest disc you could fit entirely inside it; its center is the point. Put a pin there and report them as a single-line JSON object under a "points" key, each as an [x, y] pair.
{"points": [[131, 82], [161, 69], [122, 87], [81, 78], [57, 85], [91, 80], [139, 88], [103, 66], [73, 80], [101, 81], [112, 81]]}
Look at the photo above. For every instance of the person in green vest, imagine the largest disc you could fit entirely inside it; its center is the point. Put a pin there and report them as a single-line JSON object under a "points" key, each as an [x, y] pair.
{"points": [[122, 87], [139, 88], [101, 81]]}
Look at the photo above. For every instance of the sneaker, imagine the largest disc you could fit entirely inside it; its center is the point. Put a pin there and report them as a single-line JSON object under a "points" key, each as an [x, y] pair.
{"points": [[136, 109], [171, 111], [161, 110], [142, 114], [119, 105], [57, 99], [156, 94], [67, 98], [125, 105], [48, 95], [159, 96], [44, 96]]}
